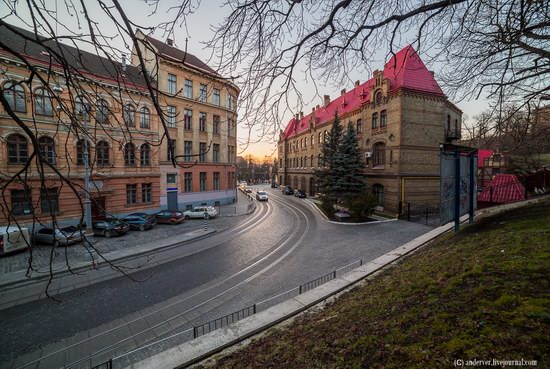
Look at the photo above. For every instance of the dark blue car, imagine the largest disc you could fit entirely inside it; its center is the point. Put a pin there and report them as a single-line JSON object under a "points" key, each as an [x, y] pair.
{"points": [[140, 221]]}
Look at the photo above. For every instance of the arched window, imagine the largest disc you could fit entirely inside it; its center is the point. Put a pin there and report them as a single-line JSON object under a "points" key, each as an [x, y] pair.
{"points": [[359, 126], [144, 118], [15, 94], [129, 154], [102, 153], [448, 123], [312, 161], [18, 151], [82, 109], [312, 140], [383, 119], [375, 120], [301, 162], [47, 149], [102, 112], [319, 160], [145, 155], [42, 102], [319, 138], [379, 98], [80, 147], [378, 192], [378, 154], [305, 161], [129, 115]]}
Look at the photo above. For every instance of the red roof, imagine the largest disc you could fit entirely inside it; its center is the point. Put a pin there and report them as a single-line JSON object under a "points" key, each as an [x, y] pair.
{"points": [[405, 70], [503, 188], [482, 155]]}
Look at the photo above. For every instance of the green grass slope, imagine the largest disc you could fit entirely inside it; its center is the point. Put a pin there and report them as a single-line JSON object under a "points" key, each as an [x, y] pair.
{"points": [[484, 294]]}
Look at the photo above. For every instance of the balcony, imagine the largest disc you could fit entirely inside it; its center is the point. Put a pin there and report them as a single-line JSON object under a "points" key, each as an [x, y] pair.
{"points": [[452, 134]]}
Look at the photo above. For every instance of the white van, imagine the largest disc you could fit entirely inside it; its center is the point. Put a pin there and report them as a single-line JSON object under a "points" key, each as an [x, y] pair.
{"points": [[13, 238]]}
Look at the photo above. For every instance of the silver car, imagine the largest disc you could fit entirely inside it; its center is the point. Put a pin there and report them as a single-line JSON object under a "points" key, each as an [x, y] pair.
{"points": [[205, 212], [58, 236], [261, 196]]}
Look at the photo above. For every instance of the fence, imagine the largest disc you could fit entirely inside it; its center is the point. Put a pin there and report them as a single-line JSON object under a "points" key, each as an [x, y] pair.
{"points": [[196, 331], [421, 213]]}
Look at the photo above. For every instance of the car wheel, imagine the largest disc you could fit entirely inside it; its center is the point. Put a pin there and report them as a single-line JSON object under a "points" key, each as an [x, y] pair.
{"points": [[172, 222], [207, 216], [107, 234], [142, 227], [55, 243], [187, 217]]}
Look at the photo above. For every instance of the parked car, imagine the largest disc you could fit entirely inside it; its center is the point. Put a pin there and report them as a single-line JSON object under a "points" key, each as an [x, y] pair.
{"points": [[140, 221], [300, 193], [13, 238], [58, 236], [287, 190], [109, 227], [261, 196], [169, 217], [248, 190], [205, 212]]}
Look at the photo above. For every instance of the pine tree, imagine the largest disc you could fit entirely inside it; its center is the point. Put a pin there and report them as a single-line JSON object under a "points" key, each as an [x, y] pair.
{"points": [[325, 177], [348, 168]]}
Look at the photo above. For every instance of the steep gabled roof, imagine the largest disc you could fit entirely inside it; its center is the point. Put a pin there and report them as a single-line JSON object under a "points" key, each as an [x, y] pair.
{"points": [[405, 70], [28, 44], [482, 155], [504, 188], [175, 54]]}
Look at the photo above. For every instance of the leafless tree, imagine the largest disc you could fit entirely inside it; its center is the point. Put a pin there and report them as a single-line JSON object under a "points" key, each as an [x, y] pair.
{"points": [[494, 48]]}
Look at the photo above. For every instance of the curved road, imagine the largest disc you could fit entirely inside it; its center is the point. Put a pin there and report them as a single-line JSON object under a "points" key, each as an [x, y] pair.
{"points": [[283, 244]]}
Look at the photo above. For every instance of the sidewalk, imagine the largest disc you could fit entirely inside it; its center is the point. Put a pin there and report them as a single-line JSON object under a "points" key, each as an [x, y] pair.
{"points": [[13, 267]]}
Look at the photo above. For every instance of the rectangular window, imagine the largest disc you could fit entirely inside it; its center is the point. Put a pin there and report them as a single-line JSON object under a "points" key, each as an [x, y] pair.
{"points": [[216, 124], [231, 154], [202, 122], [171, 149], [188, 119], [383, 118], [229, 126], [188, 182], [146, 190], [172, 85], [202, 93], [171, 116], [375, 120], [202, 182], [21, 203], [216, 153], [202, 152], [188, 150], [49, 200], [216, 97], [171, 178], [131, 194], [216, 182], [230, 102], [188, 89]]}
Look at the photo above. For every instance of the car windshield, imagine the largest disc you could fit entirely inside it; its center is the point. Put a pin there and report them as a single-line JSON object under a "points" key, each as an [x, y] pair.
{"points": [[261, 193], [69, 229], [114, 222]]}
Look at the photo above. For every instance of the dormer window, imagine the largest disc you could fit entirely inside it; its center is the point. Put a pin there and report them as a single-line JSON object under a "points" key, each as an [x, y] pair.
{"points": [[378, 98]]}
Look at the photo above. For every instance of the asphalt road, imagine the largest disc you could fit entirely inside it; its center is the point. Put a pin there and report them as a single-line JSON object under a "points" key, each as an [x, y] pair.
{"points": [[283, 244]]}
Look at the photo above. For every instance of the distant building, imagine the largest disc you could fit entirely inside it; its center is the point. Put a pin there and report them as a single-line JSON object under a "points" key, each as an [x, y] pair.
{"points": [[401, 116], [202, 121]]}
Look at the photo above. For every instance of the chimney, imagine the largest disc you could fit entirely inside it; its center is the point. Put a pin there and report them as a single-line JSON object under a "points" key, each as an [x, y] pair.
{"points": [[317, 107], [170, 42], [327, 100], [313, 110], [297, 116], [123, 62], [357, 83], [343, 92], [301, 115]]}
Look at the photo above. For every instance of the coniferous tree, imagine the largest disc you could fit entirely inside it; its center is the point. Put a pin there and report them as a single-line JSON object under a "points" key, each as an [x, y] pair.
{"points": [[325, 176], [348, 168]]}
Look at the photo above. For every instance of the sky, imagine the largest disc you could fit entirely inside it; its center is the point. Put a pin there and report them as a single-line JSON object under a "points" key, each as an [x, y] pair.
{"points": [[198, 30]]}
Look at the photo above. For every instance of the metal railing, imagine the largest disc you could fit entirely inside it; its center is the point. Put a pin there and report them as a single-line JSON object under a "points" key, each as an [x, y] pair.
{"points": [[226, 320]]}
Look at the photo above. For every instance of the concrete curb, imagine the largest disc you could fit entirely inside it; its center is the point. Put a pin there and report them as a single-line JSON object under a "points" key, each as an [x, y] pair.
{"points": [[123, 255], [205, 346], [314, 206]]}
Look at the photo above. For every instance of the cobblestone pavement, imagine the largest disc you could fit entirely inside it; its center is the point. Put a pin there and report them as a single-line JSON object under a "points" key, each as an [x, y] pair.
{"points": [[42, 254]]}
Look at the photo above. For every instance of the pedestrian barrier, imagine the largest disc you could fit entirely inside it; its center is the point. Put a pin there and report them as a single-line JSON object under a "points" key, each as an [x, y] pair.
{"points": [[202, 329]]}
